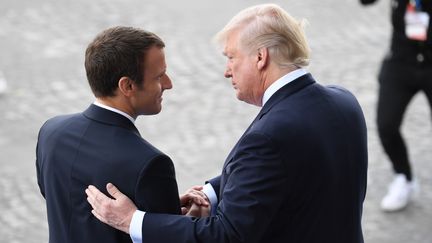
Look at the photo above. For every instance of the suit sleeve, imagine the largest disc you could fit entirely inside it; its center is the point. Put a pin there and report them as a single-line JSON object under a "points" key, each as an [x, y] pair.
{"points": [[38, 167], [156, 190], [215, 183], [250, 198]]}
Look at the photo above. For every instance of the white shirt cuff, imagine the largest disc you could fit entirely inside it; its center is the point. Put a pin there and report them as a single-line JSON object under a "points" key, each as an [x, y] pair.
{"points": [[135, 227], [211, 195]]}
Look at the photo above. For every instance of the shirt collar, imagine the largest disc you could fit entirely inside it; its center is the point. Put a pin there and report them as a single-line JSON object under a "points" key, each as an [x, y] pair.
{"points": [[114, 110], [287, 78]]}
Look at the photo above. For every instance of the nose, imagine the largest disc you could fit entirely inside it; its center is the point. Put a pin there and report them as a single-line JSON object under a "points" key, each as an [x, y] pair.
{"points": [[227, 72], [167, 84]]}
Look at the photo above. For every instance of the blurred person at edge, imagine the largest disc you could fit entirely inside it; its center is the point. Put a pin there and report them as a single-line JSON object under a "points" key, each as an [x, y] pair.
{"points": [[405, 71]]}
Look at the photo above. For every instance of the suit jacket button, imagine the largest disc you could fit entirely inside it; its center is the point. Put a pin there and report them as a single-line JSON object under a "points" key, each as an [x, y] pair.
{"points": [[420, 57]]}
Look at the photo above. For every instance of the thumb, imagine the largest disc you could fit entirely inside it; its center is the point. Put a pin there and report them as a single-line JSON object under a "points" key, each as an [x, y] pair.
{"points": [[194, 211], [113, 191], [184, 210]]}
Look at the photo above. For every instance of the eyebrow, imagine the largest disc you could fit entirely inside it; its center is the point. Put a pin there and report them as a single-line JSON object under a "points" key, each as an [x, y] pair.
{"points": [[161, 73]]}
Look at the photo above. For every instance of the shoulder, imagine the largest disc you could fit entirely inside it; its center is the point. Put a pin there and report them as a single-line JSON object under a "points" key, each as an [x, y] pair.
{"points": [[62, 118], [151, 161], [338, 90], [343, 99], [149, 148], [58, 122], [135, 148], [132, 142], [305, 111]]}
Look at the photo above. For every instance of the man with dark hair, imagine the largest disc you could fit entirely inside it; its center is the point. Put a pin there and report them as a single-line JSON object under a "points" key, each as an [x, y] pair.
{"points": [[126, 71]]}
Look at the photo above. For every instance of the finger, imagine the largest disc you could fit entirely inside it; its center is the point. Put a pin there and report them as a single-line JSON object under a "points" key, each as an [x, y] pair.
{"points": [[183, 199], [199, 188], [98, 216], [184, 210], [194, 211], [186, 198], [200, 193], [97, 195], [205, 212], [197, 197], [90, 193], [114, 191], [90, 200], [194, 188], [200, 199], [87, 191], [93, 189]]}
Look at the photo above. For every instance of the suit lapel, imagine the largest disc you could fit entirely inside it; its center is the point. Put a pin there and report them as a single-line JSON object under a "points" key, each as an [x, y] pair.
{"points": [[286, 91], [105, 116], [231, 154], [281, 94]]}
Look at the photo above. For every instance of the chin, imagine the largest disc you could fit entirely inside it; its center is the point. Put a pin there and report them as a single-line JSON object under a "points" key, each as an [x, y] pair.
{"points": [[238, 95], [151, 112]]}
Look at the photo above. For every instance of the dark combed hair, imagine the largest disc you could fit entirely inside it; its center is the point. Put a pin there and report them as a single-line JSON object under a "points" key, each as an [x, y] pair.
{"points": [[118, 52]]}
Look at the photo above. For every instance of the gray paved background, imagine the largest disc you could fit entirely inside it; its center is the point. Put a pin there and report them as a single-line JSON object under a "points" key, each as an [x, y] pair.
{"points": [[41, 55]]}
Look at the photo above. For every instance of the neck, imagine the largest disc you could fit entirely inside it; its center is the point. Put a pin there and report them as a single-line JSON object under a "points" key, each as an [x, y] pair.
{"points": [[277, 73], [271, 75], [116, 103]]}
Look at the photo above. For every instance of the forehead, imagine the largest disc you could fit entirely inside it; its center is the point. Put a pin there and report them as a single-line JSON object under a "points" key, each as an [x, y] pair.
{"points": [[155, 59], [231, 42]]}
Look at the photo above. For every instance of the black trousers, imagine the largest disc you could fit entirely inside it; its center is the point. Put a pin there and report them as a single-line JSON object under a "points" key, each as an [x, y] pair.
{"points": [[399, 82]]}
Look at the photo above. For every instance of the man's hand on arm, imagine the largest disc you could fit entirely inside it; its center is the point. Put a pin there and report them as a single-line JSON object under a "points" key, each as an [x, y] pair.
{"points": [[115, 212], [195, 202], [118, 212]]}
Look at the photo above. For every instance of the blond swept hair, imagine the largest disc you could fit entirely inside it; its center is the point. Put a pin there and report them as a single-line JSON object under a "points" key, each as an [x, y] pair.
{"points": [[269, 26]]}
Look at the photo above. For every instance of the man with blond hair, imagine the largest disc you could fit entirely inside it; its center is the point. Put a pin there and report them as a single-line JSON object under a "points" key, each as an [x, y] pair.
{"points": [[297, 174]]}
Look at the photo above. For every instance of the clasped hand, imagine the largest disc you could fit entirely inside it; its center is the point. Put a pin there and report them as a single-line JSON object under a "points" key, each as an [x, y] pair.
{"points": [[195, 203], [118, 212]]}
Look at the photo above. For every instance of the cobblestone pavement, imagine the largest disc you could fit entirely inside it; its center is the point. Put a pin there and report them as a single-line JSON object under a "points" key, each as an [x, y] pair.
{"points": [[42, 45]]}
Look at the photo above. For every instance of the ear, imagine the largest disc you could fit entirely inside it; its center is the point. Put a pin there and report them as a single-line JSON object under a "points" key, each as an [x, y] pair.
{"points": [[262, 58], [126, 86]]}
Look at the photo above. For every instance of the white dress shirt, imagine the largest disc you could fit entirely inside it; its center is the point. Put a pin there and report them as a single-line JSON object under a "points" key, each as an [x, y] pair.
{"points": [[97, 103], [135, 228]]}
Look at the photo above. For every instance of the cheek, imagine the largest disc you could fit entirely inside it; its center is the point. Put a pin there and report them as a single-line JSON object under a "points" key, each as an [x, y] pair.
{"points": [[238, 71], [245, 73], [155, 89], [158, 91]]}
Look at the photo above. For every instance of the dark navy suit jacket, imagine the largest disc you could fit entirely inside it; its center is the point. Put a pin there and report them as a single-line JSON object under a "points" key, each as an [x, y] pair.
{"points": [[96, 147], [298, 174]]}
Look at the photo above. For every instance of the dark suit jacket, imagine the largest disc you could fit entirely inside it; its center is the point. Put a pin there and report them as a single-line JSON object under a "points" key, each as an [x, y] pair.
{"points": [[298, 174], [96, 147]]}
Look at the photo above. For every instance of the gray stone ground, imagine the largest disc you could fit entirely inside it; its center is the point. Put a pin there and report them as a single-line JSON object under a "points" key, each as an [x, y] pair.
{"points": [[42, 45]]}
